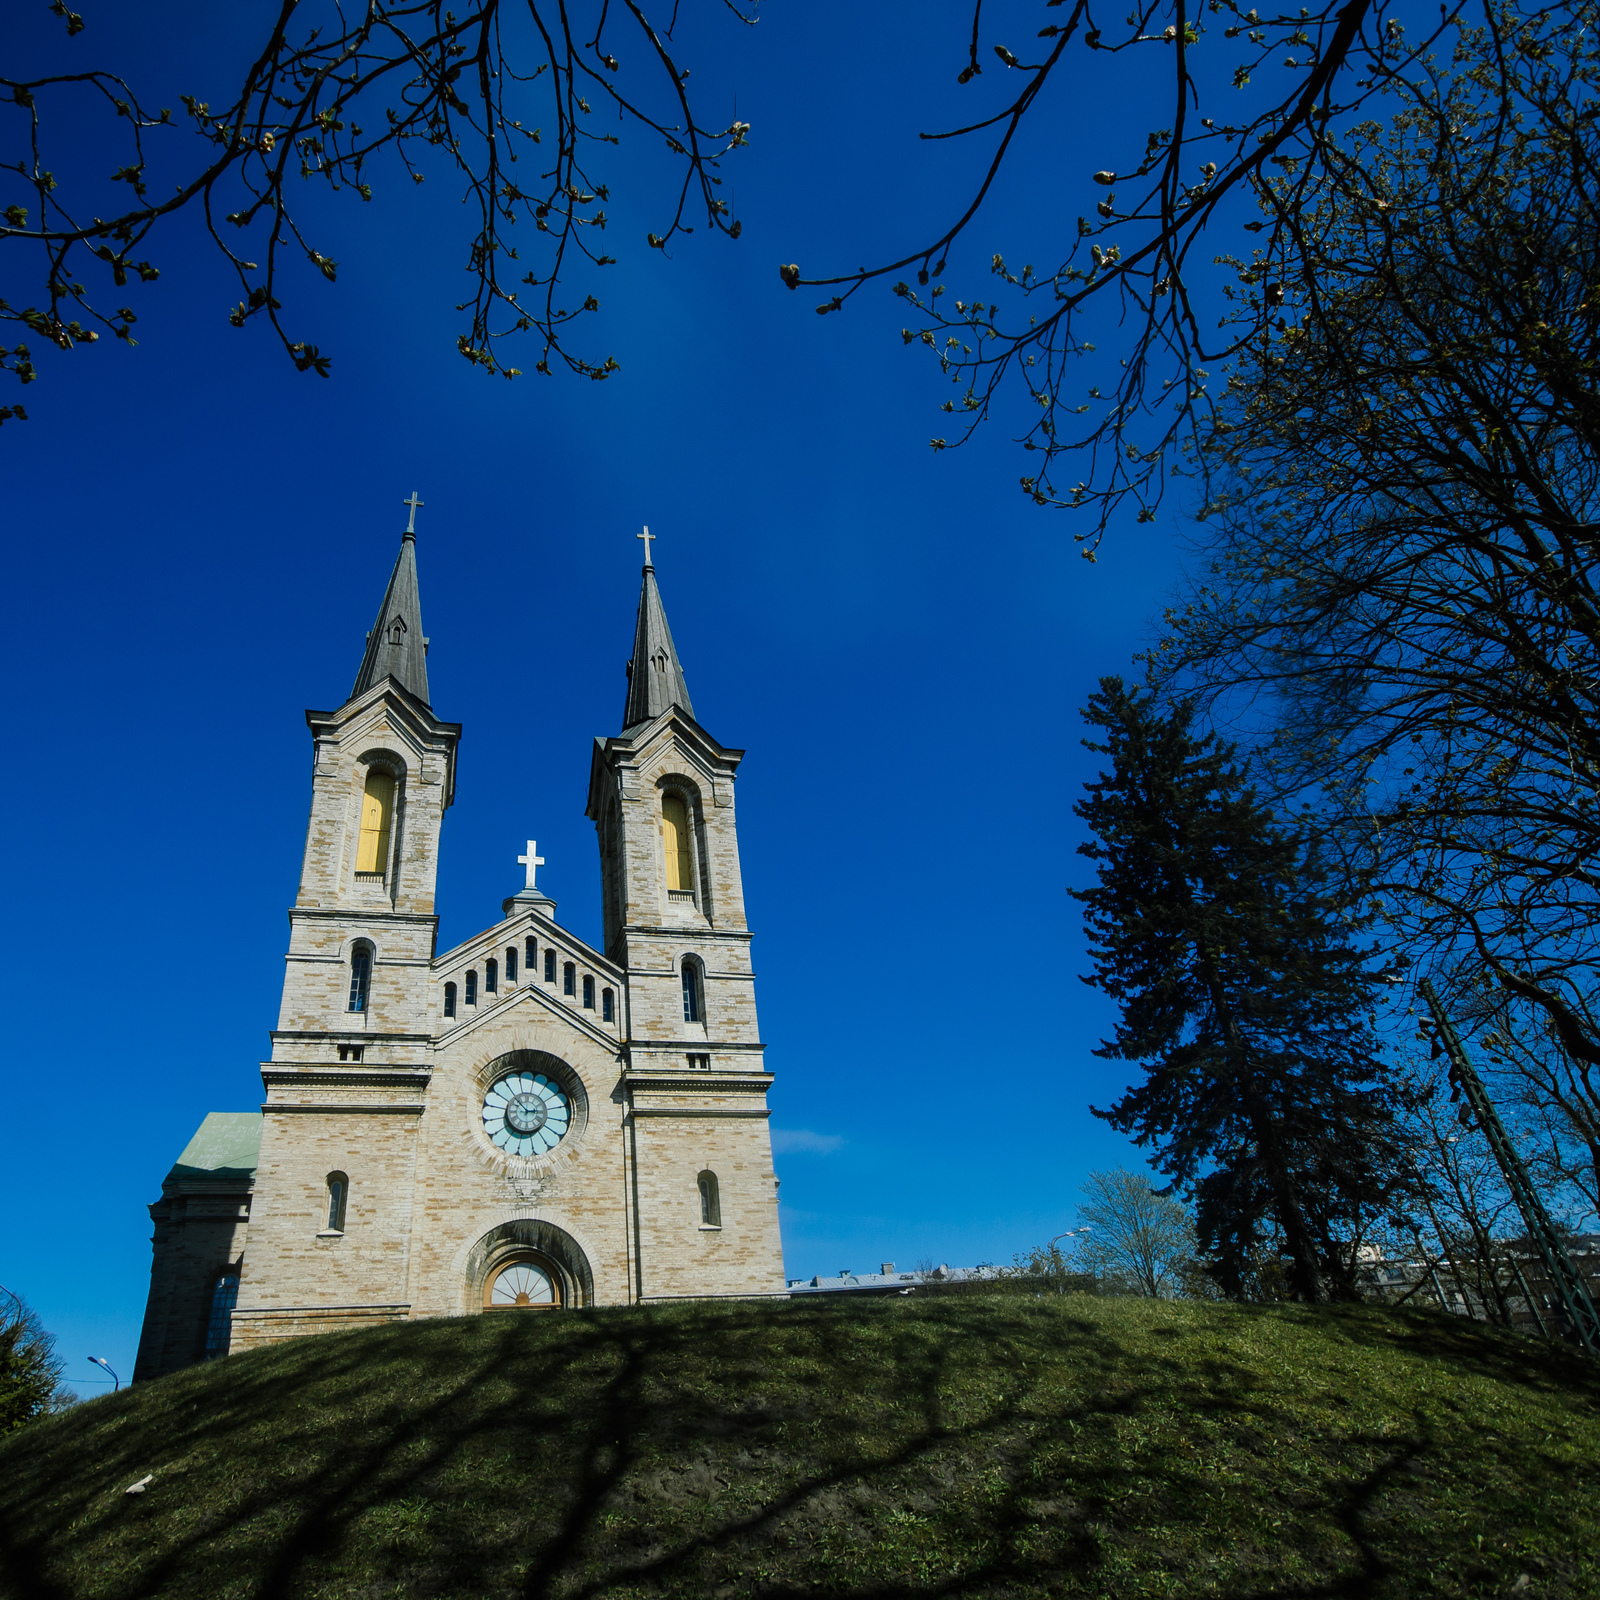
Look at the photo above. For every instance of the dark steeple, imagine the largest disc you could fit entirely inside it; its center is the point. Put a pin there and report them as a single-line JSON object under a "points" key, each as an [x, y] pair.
{"points": [[655, 675], [395, 647]]}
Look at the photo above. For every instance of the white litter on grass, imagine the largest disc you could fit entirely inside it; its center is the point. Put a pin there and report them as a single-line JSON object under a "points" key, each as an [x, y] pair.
{"points": [[141, 1485]]}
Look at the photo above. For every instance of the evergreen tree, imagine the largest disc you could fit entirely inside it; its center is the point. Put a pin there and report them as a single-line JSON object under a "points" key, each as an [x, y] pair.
{"points": [[30, 1369], [1244, 998]]}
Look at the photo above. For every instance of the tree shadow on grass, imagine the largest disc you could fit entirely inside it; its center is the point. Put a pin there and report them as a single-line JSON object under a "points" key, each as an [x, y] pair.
{"points": [[975, 1446]]}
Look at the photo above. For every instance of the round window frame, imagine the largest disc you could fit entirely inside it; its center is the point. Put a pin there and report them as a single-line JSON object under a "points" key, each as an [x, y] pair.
{"points": [[562, 1074]]}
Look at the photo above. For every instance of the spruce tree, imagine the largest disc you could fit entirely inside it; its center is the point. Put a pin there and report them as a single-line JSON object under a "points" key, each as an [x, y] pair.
{"points": [[1243, 997]]}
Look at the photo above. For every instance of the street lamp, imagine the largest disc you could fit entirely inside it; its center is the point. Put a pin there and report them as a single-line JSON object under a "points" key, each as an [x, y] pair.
{"points": [[100, 1361]]}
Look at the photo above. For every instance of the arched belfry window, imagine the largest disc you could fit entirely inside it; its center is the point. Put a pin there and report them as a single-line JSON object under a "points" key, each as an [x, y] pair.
{"points": [[338, 1193], [219, 1319], [360, 976], [675, 841], [377, 819], [693, 1001], [710, 1201]]}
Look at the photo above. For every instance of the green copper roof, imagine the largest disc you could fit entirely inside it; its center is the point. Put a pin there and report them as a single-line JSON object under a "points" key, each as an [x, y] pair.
{"points": [[227, 1142]]}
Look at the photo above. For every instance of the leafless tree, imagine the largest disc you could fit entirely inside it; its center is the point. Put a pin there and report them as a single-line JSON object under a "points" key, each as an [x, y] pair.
{"points": [[1235, 148], [503, 96], [1401, 587], [1135, 1236]]}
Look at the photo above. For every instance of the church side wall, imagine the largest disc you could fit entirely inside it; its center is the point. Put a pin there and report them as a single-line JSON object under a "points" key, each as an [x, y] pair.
{"points": [[197, 1235], [293, 1261], [678, 1256]]}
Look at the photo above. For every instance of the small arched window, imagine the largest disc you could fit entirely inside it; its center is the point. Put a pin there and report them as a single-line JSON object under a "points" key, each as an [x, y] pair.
{"points": [[675, 841], [569, 979], [588, 992], [511, 963], [608, 1006], [529, 951], [491, 975], [338, 1193], [377, 814], [360, 977], [219, 1320], [710, 1201], [549, 965], [449, 999], [472, 988], [693, 1007]]}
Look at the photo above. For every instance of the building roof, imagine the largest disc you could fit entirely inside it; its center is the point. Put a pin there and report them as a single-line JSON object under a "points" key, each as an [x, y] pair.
{"points": [[655, 675], [395, 647], [890, 1282], [226, 1145]]}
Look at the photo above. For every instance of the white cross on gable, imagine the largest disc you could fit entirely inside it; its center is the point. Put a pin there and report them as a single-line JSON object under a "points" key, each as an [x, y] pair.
{"points": [[531, 861]]}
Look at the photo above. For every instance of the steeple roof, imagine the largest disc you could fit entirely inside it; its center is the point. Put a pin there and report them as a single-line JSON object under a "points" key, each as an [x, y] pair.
{"points": [[395, 647], [655, 675]]}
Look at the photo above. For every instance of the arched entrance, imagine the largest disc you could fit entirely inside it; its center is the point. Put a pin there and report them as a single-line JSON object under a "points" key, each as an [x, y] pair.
{"points": [[527, 1265]]}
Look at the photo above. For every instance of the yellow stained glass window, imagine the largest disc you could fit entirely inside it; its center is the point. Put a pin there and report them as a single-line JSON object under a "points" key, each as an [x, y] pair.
{"points": [[675, 827], [377, 810]]}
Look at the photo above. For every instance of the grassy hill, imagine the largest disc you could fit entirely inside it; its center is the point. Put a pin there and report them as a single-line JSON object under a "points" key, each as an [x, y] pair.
{"points": [[973, 1446]]}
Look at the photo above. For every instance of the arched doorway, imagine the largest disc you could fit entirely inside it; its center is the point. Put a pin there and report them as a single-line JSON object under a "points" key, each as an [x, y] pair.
{"points": [[527, 1265], [523, 1283]]}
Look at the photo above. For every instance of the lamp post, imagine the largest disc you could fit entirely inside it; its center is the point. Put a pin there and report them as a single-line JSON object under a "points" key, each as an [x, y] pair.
{"points": [[100, 1361]]}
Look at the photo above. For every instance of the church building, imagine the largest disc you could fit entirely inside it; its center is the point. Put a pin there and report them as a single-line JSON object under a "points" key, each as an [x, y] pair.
{"points": [[522, 1122]]}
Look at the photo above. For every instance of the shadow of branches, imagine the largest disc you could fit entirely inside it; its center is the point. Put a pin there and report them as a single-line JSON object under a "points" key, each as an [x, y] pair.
{"points": [[981, 1446]]}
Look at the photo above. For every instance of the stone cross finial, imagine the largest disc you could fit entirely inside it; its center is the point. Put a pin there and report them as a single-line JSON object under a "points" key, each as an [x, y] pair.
{"points": [[531, 862], [647, 536], [413, 502]]}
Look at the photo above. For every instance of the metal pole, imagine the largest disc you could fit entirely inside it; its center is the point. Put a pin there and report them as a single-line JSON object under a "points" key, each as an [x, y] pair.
{"points": [[1527, 1294], [1571, 1290]]}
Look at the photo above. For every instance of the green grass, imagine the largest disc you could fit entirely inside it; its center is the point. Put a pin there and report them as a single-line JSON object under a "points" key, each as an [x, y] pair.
{"points": [[971, 1445]]}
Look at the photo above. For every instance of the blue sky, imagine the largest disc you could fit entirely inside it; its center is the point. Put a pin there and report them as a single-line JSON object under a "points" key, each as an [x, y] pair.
{"points": [[199, 538]]}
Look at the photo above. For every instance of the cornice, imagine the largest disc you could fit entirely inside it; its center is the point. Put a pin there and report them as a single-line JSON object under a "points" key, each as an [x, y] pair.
{"points": [[343, 1036], [683, 1083], [329, 914], [273, 1107], [349, 1077]]}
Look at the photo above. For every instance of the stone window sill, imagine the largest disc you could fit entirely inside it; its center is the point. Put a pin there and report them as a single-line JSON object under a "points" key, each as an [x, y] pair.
{"points": [[711, 1227], [330, 1233]]}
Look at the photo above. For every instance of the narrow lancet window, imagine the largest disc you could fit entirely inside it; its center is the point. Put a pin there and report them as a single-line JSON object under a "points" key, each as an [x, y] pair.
{"points": [[219, 1323], [338, 1190], [710, 1201], [377, 812], [588, 993], [449, 999], [360, 977], [491, 975], [692, 1007], [529, 951], [511, 964], [549, 965], [569, 979], [675, 841], [472, 988], [608, 1006]]}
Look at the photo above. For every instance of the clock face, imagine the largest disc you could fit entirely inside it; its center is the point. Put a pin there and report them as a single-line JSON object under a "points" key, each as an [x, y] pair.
{"points": [[525, 1114]]}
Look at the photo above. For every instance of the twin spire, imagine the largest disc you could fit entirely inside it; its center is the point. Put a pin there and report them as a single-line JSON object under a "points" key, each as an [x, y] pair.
{"points": [[397, 649]]}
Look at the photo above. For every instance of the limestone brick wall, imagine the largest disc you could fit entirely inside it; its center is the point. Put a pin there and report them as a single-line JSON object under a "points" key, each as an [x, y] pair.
{"points": [[199, 1230], [294, 1260], [675, 1138], [462, 1190]]}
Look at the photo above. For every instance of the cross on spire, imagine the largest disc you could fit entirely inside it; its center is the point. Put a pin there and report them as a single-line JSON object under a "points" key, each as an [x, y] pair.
{"points": [[411, 524], [532, 862], [647, 536]]}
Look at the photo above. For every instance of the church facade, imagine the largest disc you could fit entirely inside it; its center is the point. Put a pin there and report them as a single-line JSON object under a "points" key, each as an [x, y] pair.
{"points": [[522, 1122]]}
